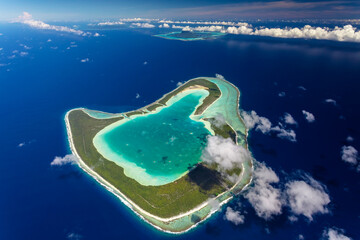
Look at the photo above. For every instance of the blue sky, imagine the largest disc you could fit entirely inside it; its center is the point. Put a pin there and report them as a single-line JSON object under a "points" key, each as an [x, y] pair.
{"points": [[203, 9]]}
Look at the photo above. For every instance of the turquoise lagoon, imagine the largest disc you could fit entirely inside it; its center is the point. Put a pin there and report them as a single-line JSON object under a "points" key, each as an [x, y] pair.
{"points": [[157, 148]]}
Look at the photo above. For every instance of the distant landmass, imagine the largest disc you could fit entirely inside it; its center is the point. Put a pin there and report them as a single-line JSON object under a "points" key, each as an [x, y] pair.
{"points": [[151, 158], [191, 35]]}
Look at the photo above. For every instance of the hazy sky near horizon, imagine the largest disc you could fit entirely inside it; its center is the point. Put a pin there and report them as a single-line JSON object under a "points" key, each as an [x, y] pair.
{"points": [[64, 10]]}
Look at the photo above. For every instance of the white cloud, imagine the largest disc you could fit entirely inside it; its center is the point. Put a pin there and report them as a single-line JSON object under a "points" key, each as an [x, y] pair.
{"points": [[22, 144], [262, 124], [179, 84], [349, 154], [27, 19], [335, 234], [307, 197], [265, 198], [234, 216], [96, 35], [302, 88], [219, 76], [347, 33], [143, 25], [145, 63], [59, 161], [301, 237], [349, 139], [331, 101], [23, 54], [224, 152], [74, 236], [219, 120], [110, 23], [287, 134], [137, 95], [282, 94], [288, 119], [308, 116], [84, 60], [165, 25]]}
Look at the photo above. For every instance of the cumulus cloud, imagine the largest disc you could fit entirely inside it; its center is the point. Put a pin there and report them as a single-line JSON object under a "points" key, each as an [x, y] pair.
{"points": [[165, 25], [219, 120], [346, 33], [234, 216], [331, 101], [349, 139], [265, 198], [178, 84], [288, 119], [307, 197], [262, 124], [59, 161], [308, 116], [26, 18], [74, 236], [302, 88], [143, 25], [282, 94], [219, 76], [84, 60], [335, 234], [137, 95], [224, 152], [287, 134], [349, 154], [21, 144], [110, 23]]}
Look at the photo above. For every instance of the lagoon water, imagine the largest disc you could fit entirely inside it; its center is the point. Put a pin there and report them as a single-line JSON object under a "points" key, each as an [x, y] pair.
{"points": [[39, 201], [157, 148]]}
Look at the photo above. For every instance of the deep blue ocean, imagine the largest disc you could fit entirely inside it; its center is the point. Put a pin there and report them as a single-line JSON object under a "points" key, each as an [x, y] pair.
{"points": [[39, 201]]}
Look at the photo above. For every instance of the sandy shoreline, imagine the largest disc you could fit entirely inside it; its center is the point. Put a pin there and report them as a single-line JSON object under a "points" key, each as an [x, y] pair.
{"points": [[135, 208]]}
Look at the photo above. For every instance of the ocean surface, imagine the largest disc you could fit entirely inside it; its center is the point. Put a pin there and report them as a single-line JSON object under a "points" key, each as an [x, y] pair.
{"points": [[40, 201], [156, 149]]}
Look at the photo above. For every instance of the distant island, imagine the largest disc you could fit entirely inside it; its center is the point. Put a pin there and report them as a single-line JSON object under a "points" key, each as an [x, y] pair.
{"points": [[190, 35], [150, 158]]}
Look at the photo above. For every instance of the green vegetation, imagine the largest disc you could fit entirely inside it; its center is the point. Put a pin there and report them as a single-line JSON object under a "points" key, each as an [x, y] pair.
{"points": [[164, 201], [182, 195]]}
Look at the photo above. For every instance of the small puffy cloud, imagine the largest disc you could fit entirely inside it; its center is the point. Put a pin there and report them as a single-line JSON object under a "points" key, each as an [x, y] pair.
{"points": [[307, 197], [74, 236], [349, 154], [145, 63], [60, 161], [262, 124], [96, 35], [334, 234], [27, 19], [165, 25], [252, 120], [219, 120], [137, 95], [287, 134], [219, 76], [234, 216], [302, 88], [349, 139], [143, 25], [22, 144], [84, 60], [301, 237], [110, 23], [224, 152], [179, 84], [308, 116], [331, 101], [265, 198], [288, 119], [282, 94]]}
